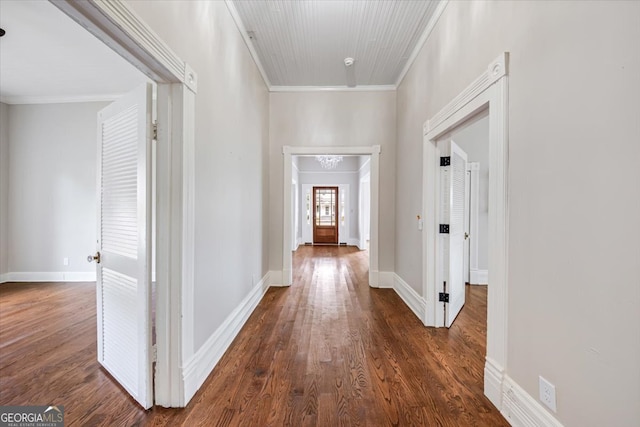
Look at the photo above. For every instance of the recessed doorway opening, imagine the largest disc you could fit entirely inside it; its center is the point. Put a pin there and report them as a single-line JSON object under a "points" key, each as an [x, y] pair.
{"points": [[328, 205]]}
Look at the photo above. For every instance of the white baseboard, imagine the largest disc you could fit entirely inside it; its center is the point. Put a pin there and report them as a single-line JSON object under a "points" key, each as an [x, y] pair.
{"points": [[522, 410], [49, 276], [198, 368], [415, 302], [478, 277], [493, 378]]}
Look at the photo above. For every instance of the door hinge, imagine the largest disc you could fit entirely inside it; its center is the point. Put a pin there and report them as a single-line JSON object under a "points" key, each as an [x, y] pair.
{"points": [[154, 131], [444, 228], [444, 296], [154, 353], [445, 161]]}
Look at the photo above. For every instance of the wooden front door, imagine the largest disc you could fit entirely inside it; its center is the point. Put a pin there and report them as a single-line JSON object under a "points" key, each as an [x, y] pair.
{"points": [[325, 215]]}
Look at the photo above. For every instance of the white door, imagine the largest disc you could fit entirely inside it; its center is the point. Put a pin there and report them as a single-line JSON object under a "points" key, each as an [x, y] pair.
{"points": [[124, 242], [452, 204]]}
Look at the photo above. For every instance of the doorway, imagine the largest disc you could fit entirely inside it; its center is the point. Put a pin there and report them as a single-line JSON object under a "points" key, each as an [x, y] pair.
{"points": [[287, 248], [325, 215], [488, 92], [115, 25]]}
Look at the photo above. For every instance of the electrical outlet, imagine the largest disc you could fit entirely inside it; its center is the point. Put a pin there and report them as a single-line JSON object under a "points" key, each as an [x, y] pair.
{"points": [[548, 394], [65, 261]]}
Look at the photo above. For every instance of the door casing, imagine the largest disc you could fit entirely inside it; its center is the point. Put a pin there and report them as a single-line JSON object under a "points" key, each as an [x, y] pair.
{"points": [[488, 91], [115, 24], [288, 151]]}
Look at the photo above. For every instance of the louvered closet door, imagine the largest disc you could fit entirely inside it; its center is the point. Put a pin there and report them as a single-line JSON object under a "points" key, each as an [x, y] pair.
{"points": [[452, 201], [124, 224]]}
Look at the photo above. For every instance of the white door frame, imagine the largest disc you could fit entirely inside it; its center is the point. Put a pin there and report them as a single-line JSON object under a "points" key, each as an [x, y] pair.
{"points": [[467, 221], [115, 24], [474, 215], [288, 152], [490, 90], [365, 210]]}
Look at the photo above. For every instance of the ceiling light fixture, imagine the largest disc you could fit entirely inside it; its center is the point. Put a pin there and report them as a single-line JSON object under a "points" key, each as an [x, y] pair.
{"points": [[329, 162], [350, 71], [2, 32]]}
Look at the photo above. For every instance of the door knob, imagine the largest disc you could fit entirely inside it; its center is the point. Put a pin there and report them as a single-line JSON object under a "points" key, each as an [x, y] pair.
{"points": [[95, 258], [466, 235]]}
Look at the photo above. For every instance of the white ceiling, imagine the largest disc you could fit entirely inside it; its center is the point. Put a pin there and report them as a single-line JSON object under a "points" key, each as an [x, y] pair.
{"points": [[304, 43], [47, 57]]}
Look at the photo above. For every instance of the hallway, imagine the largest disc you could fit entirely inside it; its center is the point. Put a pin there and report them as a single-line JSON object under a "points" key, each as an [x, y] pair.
{"points": [[327, 351]]}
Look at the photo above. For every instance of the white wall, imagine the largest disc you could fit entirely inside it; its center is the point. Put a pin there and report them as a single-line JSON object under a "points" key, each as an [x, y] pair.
{"points": [[52, 190], [4, 189], [329, 119], [231, 140], [574, 85], [473, 138]]}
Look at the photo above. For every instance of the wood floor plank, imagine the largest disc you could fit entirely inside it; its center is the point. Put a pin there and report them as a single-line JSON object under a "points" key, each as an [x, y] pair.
{"points": [[327, 351]]}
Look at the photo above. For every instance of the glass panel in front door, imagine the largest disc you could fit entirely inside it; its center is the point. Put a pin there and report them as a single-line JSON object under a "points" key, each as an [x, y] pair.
{"points": [[325, 207]]}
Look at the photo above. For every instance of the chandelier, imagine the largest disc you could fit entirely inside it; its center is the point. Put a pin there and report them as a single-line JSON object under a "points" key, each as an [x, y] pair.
{"points": [[329, 162]]}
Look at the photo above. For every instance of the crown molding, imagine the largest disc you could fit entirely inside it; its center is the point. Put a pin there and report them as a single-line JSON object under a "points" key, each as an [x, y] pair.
{"points": [[247, 41], [364, 88], [120, 28], [15, 100], [423, 39]]}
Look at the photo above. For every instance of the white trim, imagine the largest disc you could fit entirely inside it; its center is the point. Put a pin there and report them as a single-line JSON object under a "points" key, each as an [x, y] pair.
{"points": [[493, 380], [386, 279], [478, 277], [415, 302], [200, 365], [423, 39], [474, 219], [247, 41], [188, 226], [48, 276], [118, 26], [490, 90], [363, 88], [494, 72], [115, 24], [288, 152], [522, 410], [16, 100]]}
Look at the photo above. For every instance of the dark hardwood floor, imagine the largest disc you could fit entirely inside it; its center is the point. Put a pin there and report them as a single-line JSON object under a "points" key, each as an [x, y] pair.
{"points": [[327, 351]]}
